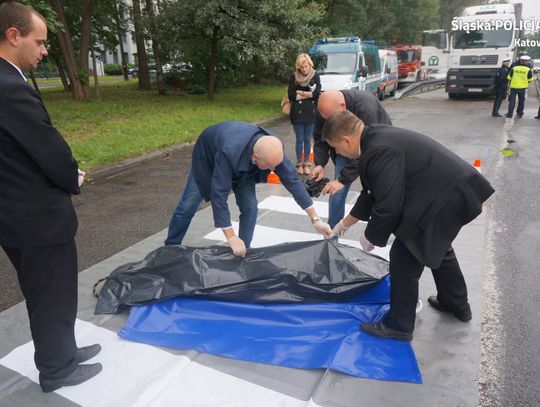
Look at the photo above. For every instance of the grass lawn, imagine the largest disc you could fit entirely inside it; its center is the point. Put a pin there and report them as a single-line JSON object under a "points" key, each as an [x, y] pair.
{"points": [[126, 122]]}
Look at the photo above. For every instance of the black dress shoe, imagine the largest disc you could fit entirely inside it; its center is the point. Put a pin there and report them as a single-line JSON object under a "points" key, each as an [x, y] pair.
{"points": [[380, 330], [520, 115], [508, 116], [80, 375], [464, 315], [87, 352], [537, 117], [497, 115]]}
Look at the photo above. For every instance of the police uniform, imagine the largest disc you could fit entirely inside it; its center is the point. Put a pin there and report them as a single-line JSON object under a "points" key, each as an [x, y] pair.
{"points": [[500, 85], [519, 77]]}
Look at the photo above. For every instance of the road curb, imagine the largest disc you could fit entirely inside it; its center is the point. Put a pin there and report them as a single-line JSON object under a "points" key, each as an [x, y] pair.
{"points": [[124, 165]]}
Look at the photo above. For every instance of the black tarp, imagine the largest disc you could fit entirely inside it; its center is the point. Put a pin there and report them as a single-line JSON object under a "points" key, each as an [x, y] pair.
{"points": [[313, 271]]}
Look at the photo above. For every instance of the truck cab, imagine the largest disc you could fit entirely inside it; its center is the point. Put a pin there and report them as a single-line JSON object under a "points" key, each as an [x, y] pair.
{"points": [[435, 53], [347, 63], [410, 63], [481, 38]]}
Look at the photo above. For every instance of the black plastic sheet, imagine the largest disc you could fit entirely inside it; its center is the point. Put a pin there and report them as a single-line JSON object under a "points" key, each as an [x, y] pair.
{"points": [[300, 272]]}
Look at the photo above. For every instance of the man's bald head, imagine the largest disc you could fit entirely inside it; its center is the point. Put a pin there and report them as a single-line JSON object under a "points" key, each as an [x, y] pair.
{"points": [[268, 152], [330, 102]]}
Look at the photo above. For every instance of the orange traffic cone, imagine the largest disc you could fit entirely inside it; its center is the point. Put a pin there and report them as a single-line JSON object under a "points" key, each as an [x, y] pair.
{"points": [[273, 178], [478, 165]]}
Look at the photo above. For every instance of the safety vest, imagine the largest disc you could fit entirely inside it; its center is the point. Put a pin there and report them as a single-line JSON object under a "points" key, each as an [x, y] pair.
{"points": [[520, 76]]}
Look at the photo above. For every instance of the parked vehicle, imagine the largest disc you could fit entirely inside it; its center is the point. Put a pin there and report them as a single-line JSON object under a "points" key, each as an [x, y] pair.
{"points": [[389, 73], [435, 53], [536, 65], [347, 63], [481, 38], [410, 63]]}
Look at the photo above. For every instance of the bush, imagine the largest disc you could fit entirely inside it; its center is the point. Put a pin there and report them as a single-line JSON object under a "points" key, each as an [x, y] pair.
{"points": [[196, 89], [175, 79], [113, 69]]}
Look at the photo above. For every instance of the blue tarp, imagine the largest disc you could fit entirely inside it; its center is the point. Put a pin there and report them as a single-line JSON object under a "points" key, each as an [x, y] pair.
{"points": [[323, 335]]}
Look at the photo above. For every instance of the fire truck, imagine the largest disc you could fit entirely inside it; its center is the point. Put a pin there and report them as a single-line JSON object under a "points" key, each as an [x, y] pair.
{"points": [[410, 63]]}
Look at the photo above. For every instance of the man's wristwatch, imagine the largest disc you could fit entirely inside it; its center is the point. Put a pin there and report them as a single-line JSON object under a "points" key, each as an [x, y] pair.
{"points": [[315, 219]]}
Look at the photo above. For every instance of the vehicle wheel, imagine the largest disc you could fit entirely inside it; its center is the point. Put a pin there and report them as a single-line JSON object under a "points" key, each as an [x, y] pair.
{"points": [[452, 95], [381, 94], [393, 93]]}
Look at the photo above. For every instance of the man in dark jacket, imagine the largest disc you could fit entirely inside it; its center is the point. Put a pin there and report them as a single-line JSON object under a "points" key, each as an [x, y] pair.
{"points": [[368, 109], [500, 85], [37, 220], [421, 192], [235, 156]]}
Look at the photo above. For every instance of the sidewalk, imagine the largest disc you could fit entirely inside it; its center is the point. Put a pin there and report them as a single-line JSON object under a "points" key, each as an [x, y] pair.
{"points": [[447, 350]]}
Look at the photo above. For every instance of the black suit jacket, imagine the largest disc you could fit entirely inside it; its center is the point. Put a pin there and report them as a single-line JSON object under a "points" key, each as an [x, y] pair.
{"points": [[416, 189], [37, 170]]}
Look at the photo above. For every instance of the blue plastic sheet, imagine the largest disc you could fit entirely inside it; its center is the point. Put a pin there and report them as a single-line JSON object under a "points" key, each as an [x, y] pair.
{"points": [[324, 335]]}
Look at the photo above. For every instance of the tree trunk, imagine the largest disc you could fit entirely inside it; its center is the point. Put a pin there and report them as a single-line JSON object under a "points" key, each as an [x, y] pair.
{"points": [[94, 67], [62, 75], [66, 45], [144, 78], [88, 6], [155, 46], [33, 78], [212, 64], [257, 67], [119, 34]]}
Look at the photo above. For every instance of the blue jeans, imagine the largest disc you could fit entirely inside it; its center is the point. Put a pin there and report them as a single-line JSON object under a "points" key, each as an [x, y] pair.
{"points": [[192, 198], [336, 204], [304, 135], [512, 102]]}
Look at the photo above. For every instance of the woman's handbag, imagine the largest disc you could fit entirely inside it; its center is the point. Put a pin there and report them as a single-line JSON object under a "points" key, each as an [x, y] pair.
{"points": [[286, 104]]}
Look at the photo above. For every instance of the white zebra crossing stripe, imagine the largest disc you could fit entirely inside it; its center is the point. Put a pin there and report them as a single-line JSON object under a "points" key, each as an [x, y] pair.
{"points": [[139, 375], [269, 236], [288, 205]]}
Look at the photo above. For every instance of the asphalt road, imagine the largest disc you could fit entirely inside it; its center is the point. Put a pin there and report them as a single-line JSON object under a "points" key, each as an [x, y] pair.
{"points": [[118, 211]]}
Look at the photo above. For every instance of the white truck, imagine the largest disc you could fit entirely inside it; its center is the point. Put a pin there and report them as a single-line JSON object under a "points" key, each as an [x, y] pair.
{"points": [[435, 53], [481, 38]]}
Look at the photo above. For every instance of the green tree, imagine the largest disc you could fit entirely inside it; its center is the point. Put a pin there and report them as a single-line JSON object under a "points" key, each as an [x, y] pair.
{"points": [[219, 35]]}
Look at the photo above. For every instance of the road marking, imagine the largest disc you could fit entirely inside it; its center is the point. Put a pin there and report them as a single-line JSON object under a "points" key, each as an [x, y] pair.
{"points": [[269, 236], [140, 375]]}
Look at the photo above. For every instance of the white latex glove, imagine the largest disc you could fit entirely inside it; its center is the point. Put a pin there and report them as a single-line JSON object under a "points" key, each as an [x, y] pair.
{"points": [[80, 179], [237, 245], [366, 244], [323, 228], [317, 173], [339, 230], [332, 187]]}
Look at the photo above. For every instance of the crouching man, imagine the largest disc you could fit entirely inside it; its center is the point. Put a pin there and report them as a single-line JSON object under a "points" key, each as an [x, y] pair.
{"points": [[236, 156], [421, 192]]}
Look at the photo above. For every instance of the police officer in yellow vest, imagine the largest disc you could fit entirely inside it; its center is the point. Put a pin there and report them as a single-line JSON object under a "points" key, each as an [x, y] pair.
{"points": [[519, 77]]}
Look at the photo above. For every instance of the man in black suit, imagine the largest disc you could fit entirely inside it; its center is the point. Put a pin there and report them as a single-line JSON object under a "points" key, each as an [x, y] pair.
{"points": [[38, 174], [421, 192]]}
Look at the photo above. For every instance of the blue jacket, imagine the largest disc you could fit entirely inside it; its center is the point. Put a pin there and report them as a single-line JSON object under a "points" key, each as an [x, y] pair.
{"points": [[222, 159]]}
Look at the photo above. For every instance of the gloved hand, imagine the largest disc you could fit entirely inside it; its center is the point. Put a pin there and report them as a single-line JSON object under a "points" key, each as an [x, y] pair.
{"points": [[237, 245], [317, 173], [366, 244], [80, 178], [323, 228], [339, 230]]}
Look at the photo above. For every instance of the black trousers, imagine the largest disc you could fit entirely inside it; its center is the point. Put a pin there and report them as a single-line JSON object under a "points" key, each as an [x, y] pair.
{"points": [[499, 97], [405, 271], [48, 280]]}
